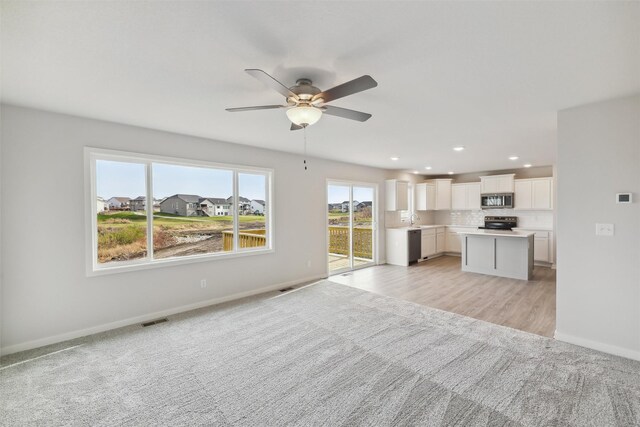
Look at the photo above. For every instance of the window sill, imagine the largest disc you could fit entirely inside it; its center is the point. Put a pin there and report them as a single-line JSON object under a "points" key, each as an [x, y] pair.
{"points": [[171, 262]]}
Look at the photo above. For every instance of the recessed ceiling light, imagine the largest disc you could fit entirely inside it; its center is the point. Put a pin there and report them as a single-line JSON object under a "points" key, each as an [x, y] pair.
{"points": [[527, 165], [395, 158], [428, 168], [416, 172], [458, 148], [450, 173], [514, 158]]}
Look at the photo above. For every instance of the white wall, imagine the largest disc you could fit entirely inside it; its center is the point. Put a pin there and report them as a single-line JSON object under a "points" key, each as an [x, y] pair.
{"points": [[598, 281], [47, 296]]}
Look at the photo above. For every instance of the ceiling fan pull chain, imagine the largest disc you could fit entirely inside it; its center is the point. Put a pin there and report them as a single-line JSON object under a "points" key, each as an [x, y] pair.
{"points": [[304, 130]]}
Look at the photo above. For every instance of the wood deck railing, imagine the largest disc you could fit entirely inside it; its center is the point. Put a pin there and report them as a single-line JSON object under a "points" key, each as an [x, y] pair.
{"points": [[338, 240], [362, 241], [246, 239]]}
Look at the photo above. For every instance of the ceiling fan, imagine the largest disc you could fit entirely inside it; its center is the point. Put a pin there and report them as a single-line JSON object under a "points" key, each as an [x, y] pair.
{"points": [[306, 103]]}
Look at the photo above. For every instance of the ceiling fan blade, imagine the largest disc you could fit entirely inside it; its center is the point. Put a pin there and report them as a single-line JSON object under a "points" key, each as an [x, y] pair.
{"points": [[345, 89], [271, 82], [258, 107], [346, 113], [295, 127]]}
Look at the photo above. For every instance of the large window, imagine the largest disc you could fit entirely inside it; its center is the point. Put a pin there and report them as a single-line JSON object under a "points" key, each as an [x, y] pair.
{"points": [[148, 210]]}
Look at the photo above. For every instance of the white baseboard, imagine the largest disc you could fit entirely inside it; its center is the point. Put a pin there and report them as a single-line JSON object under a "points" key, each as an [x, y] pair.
{"points": [[41, 342], [606, 348]]}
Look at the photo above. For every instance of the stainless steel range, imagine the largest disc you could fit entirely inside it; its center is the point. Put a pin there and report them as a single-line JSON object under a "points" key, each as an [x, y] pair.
{"points": [[500, 222]]}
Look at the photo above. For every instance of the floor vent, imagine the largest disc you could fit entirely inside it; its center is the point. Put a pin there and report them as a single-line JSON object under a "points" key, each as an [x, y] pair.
{"points": [[346, 274], [286, 289], [154, 322]]}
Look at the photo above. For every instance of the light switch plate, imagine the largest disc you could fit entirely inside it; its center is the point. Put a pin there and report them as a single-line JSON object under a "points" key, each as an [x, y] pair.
{"points": [[604, 229]]}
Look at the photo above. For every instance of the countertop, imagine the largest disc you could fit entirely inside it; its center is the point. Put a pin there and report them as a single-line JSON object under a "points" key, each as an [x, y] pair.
{"points": [[423, 227], [533, 228], [498, 233]]}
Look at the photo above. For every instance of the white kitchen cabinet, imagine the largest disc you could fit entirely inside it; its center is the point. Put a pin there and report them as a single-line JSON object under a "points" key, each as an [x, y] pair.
{"points": [[428, 247], [497, 184], [396, 193], [523, 194], [473, 196], [453, 242], [542, 245], [440, 241], [541, 249], [534, 194], [465, 196], [458, 197], [443, 194], [543, 193], [425, 196]]}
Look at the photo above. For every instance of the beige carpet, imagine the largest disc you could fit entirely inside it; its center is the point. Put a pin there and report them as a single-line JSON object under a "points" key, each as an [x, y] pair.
{"points": [[325, 355]]}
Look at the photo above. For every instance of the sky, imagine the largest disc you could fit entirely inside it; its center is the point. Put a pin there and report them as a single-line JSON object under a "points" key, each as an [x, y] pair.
{"points": [[120, 179]]}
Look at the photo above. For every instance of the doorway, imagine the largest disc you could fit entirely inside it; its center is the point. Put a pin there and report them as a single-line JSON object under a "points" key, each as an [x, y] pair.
{"points": [[351, 225]]}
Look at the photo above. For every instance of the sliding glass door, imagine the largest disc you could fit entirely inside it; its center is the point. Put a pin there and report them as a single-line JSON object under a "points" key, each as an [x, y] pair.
{"points": [[351, 224]]}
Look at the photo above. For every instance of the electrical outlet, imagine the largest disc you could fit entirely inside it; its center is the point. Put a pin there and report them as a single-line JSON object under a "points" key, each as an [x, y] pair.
{"points": [[203, 283], [308, 263], [604, 229]]}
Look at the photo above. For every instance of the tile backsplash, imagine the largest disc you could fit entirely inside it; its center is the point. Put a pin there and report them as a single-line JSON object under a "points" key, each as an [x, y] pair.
{"points": [[532, 219]]}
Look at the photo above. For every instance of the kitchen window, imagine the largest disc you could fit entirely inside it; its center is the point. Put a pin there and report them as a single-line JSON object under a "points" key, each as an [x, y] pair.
{"points": [[172, 211]]}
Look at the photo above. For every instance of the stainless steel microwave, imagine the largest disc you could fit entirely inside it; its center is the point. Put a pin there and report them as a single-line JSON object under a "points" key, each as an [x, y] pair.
{"points": [[496, 201]]}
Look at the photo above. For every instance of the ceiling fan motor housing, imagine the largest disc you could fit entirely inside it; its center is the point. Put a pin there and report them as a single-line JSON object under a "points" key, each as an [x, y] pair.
{"points": [[304, 89]]}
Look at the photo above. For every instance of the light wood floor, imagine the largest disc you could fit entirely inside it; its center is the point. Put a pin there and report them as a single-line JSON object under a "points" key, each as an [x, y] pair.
{"points": [[526, 305]]}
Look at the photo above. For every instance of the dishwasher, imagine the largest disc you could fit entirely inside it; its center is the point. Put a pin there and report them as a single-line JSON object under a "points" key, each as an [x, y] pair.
{"points": [[415, 242]]}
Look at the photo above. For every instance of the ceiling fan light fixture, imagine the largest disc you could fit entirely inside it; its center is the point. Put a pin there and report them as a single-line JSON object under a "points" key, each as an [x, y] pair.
{"points": [[304, 115]]}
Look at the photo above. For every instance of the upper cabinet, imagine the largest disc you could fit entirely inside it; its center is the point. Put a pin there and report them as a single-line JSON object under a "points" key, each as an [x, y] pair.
{"points": [[396, 193], [426, 196], [434, 195], [497, 184], [465, 196], [534, 194], [443, 194]]}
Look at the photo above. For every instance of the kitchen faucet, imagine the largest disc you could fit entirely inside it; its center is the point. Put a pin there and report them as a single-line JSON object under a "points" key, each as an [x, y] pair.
{"points": [[413, 218]]}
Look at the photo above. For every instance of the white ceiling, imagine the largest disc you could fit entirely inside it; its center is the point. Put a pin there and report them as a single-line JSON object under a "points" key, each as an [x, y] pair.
{"points": [[486, 75]]}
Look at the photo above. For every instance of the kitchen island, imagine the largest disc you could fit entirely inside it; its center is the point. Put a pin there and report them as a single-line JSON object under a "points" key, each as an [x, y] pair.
{"points": [[498, 253]]}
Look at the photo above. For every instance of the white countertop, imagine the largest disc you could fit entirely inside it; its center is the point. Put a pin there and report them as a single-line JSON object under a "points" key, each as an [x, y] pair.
{"points": [[423, 227], [533, 228], [498, 233]]}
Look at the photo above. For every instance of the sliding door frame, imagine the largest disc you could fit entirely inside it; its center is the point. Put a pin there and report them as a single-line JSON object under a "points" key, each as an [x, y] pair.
{"points": [[374, 223]]}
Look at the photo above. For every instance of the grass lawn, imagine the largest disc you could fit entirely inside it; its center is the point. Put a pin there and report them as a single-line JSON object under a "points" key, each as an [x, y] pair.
{"points": [[122, 235], [122, 219]]}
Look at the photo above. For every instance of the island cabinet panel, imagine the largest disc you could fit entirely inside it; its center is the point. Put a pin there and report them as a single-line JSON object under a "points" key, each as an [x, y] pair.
{"points": [[501, 254], [479, 254], [511, 256]]}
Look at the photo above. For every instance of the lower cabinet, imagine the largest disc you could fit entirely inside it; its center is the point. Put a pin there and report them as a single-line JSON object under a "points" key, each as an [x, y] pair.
{"points": [[542, 246], [453, 242], [440, 241], [428, 243], [433, 241]]}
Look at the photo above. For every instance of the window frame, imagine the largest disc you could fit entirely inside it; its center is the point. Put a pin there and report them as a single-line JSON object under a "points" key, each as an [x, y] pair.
{"points": [[93, 154]]}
